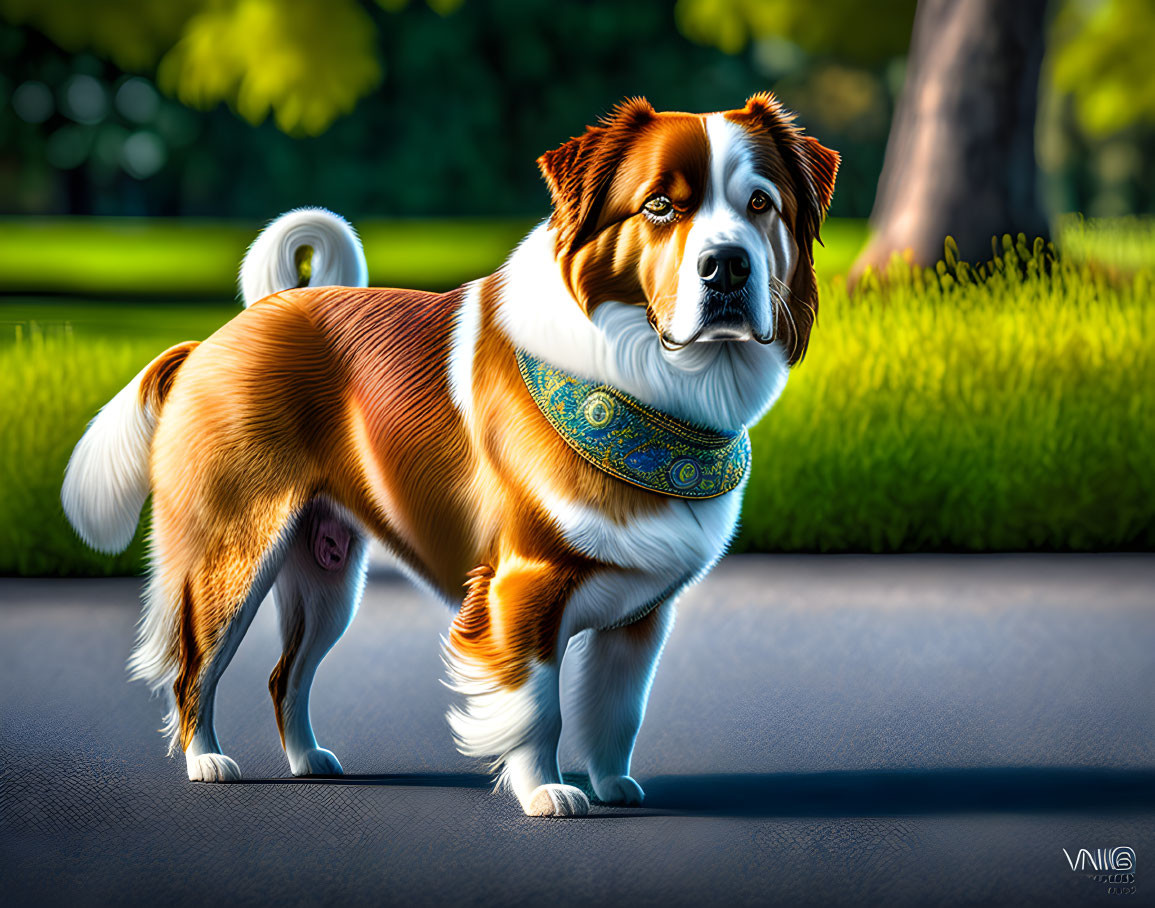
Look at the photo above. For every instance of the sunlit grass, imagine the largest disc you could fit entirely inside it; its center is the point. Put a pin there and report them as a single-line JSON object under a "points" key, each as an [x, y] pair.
{"points": [[88, 320], [96, 257], [152, 258], [50, 386], [933, 413], [1118, 244]]}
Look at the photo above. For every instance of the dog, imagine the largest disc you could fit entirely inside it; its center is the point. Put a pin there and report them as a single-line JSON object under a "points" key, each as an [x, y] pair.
{"points": [[557, 450]]}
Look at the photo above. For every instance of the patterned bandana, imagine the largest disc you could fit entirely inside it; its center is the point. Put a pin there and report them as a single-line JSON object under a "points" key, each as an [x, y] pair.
{"points": [[624, 437]]}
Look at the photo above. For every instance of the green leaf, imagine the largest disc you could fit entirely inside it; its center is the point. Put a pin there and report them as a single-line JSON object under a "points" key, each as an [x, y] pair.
{"points": [[303, 62]]}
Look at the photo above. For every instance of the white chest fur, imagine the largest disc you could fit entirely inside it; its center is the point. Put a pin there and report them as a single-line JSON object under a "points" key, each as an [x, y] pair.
{"points": [[683, 535], [725, 386], [679, 542]]}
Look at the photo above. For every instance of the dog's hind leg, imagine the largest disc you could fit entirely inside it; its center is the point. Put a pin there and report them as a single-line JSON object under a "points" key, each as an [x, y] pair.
{"points": [[208, 578], [218, 603], [196, 696], [606, 678], [317, 593]]}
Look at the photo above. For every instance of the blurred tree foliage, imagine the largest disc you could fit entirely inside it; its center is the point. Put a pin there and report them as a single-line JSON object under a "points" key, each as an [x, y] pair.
{"points": [[307, 62], [469, 98], [1102, 58], [403, 107], [133, 34], [850, 30], [1096, 134]]}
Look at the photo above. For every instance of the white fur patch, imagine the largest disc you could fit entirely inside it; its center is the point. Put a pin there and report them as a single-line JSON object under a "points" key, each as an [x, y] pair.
{"points": [[211, 767], [106, 481], [609, 598], [682, 534], [605, 679], [151, 659], [270, 265], [723, 219], [517, 729], [555, 800], [723, 385], [466, 328]]}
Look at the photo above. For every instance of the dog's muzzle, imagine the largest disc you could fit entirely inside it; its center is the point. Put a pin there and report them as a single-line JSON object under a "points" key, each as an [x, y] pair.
{"points": [[724, 271]]}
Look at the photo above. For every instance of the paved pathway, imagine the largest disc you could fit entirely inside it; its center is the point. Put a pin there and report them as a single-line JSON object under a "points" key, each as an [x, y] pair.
{"points": [[907, 730]]}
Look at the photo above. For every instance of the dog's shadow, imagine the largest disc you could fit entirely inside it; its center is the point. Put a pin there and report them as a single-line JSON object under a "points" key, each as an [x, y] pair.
{"points": [[865, 793], [398, 780], [905, 792]]}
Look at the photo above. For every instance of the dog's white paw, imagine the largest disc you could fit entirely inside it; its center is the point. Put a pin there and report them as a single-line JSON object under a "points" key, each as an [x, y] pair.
{"points": [[212, 768], [557, 801], [316, 762], [618, 790]]}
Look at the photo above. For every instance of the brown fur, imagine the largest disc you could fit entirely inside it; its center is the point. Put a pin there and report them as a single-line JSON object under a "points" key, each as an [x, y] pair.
{"points": [[157, 381], [804, 171], [279, 679], [343, 393], [600, 181]]}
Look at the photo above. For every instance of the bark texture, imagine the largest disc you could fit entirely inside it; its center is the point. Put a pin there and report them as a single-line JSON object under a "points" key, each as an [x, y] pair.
{"points": [[961, 155]]}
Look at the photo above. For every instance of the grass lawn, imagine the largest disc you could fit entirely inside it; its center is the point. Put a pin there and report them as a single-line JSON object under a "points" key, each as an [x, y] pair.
{"points": [[126, 257], [935, 413], [111, 258]]}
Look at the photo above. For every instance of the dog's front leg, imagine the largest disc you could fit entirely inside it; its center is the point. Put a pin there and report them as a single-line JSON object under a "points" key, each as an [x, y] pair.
{"points": [[504, 656], [607, 681]]}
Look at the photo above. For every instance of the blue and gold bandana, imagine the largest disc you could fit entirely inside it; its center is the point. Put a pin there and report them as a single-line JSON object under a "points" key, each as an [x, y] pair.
{"points": [[632, 441]]}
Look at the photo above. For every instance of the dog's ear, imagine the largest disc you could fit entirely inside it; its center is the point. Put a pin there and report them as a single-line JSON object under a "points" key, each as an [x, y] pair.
{"points": [[812, 168], [821, 164], [579, 173], [812, 165], [818, 168]]}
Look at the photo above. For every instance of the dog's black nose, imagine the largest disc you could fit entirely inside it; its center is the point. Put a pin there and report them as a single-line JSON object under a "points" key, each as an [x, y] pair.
{"points": [[724, 268]]}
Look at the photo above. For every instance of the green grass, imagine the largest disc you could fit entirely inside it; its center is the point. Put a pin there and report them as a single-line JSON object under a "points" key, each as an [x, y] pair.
{"points": [[50, 386], [931, 413], [936, 413], [127, 257], [160, 323], [842, 239], [1121, 245], [110, 257]]}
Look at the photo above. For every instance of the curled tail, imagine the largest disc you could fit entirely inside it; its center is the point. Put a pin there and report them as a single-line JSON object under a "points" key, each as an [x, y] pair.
{"points": [[106, 482], [307, 247]]}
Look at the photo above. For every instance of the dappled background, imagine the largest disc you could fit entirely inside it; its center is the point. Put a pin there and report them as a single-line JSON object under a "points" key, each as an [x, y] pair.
{"points": [[241, 108], [990, 392]]}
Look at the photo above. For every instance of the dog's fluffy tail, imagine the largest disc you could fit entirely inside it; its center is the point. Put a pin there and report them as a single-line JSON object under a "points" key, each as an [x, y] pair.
{"points": [[306, 247], [106, 481]]}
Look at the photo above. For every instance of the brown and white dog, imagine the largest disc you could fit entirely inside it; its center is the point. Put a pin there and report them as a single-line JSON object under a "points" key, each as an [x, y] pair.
{"points": [[676, 266]]}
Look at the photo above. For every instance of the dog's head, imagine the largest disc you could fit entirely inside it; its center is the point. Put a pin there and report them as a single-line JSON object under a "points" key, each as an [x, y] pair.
{"points": [[706, 220]]}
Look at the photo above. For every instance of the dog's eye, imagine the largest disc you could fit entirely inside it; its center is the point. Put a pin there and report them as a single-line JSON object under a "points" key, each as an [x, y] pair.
{"points": [[660, 207], [759, 201]]}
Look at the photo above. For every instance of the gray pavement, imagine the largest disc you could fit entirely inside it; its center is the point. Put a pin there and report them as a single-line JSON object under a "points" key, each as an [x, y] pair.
{"points": [[823, 730]]}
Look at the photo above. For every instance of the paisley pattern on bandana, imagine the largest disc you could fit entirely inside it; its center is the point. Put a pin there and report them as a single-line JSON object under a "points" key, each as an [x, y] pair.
{"points": [[632, 441]]}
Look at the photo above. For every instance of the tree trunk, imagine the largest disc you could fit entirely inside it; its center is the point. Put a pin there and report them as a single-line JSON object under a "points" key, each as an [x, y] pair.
{"points": [[960, 159]]}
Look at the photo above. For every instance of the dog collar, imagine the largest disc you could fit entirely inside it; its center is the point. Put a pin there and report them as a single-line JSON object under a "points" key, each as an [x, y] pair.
{"points": [[632, 441]]}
